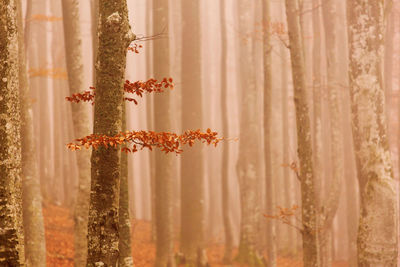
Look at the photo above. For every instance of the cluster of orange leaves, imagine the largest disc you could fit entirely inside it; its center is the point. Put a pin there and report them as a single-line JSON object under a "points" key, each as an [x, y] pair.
{"points": [[42, 17], [134, 48], [166, 141], [137, 88]]}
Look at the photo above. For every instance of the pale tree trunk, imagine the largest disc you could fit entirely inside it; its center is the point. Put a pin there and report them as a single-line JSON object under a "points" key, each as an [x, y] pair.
{"points": [[80, 118], [192, 165], [227, 220], [11, 232], [269, 181], [114, 38], [330, 204], [306, 176], [377, 233], [163, 175], [35, 249], [316, 101], [248, 165], [125, 243]]}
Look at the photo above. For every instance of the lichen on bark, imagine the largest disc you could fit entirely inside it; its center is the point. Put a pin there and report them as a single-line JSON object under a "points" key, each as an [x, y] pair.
{"points": [[114, 37], [11, 232]]}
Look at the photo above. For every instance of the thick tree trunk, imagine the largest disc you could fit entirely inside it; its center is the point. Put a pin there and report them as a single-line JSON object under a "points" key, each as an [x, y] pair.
{"points": [[11, 232], [306, 175], [192, 170], [35, 249], [227, 220], [114, 38], [80, 118], [269, 181], [163, 175], [377, 233]]}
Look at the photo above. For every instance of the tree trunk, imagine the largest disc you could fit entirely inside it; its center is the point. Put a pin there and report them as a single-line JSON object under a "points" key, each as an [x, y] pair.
{"points": [[80, 118], [248, 165], [125, 243], [11, 232], [269, 181], [377, 233], [192, 170], [114, 38], [227, 220], [306, 175], [331, 202], [163, 175], [35, 249]]}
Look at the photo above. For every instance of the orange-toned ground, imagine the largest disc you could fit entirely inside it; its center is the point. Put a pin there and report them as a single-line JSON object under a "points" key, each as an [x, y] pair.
{"points": [[60, 243]]}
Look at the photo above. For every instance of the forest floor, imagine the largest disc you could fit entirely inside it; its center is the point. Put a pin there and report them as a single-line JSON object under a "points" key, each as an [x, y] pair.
{"points": [[60, 243]]}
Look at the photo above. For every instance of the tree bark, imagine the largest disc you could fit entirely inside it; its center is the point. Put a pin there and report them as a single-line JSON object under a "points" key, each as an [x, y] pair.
{"points": [[248, 165], [192, 165], [377, 239], [269, 181], [114, 38], [80, 118], [11, 232], [35, 248], [125, 243], [227, 220], [163, 175], [306, 175]]}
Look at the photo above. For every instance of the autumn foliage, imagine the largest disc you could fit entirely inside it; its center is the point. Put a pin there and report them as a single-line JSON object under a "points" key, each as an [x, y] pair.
{"points": [[138, 140], [166, 141], [137, 88]]}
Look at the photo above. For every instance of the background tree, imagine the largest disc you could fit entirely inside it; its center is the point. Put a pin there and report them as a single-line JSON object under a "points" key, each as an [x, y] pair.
{"points": [[192, 173], [35, 249]]}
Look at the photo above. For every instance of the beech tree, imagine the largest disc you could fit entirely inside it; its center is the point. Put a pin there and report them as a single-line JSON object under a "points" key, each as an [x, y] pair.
{"points": [[11, 232], [377, 240], [305, 154], [35, 246]]}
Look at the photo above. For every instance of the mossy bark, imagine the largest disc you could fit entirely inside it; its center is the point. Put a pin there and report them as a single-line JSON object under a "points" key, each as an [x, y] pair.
{"points": [[163, 175], [80, 118], [377, 240], [306, 175], [11, 232], [192, 171], [35, 247], [248, 165], [114, 38]]}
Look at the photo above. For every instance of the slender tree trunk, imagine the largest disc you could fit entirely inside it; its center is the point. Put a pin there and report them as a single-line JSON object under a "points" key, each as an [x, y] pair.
{"points": [[163, 175], [269, 181], [227, 220], [114, 38], [80, 118], [331, 202], [377, 239], [125, 243], [248, 165], [306, 175], [11, 232], [192, 165], [35, 249]]}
